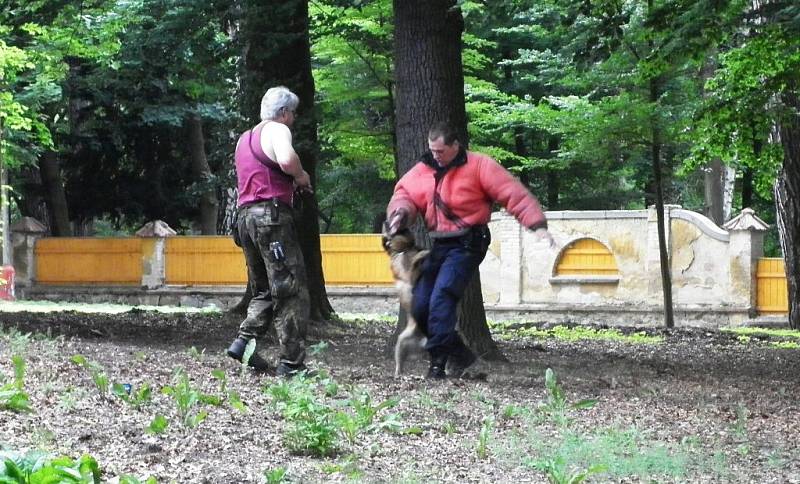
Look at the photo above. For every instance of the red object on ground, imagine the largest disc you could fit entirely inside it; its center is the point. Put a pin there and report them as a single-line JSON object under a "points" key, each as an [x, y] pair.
{"points": [[7, 283]]}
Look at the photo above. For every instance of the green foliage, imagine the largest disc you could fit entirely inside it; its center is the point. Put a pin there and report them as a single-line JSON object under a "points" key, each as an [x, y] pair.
{"points": [[316, 424], [137, 398], [158, 425], [556, 404], [574, 333], [12, 395], [187, 398], [96, 371], [351, 52], [275, 476], [37, 467], [233, 397], [127, 479], [482, 447]]}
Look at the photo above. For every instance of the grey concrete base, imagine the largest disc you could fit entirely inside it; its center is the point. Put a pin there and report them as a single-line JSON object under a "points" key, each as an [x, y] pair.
{"points": [[382, 301]]}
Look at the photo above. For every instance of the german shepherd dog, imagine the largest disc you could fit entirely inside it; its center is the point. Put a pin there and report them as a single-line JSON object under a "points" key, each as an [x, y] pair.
{"points": [[406, 264]]}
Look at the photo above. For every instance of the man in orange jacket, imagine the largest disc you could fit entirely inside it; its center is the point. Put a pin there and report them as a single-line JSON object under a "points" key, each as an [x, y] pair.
{"points": [[453, 189]]}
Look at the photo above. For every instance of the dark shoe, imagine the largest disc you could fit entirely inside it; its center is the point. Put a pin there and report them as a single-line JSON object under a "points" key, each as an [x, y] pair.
{"points": [[460, 361], [436, 371], [236, 351], [289, 370]]}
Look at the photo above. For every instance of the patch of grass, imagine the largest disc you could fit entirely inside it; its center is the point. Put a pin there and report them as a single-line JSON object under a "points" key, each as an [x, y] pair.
{"points": [[556, 404], [49, 307], [96, 372], [771, 332], [575, 333], [348, 466], [482, 447], [275, 476], [316, 423], [617, 453], [12, 394], [786, 345]]}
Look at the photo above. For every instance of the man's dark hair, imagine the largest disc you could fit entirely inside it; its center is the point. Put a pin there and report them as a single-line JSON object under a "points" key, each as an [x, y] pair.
{"points": [[445, 131]]}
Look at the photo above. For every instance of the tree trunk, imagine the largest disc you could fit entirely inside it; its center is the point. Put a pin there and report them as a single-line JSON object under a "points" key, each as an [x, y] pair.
{"points": [[429, 84], [7, 257], [202, 173], [275, 51], [655, 153], [56, 197], [787, 199], [712, 177]]}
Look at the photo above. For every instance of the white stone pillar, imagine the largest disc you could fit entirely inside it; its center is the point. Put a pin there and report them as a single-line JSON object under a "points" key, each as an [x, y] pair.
{"points": [[24, 234], [746, 246], [509, 233]]}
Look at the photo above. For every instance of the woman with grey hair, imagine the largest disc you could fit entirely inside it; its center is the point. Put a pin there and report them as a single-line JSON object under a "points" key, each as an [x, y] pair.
{"points": [[278, 99], [269, 173]]}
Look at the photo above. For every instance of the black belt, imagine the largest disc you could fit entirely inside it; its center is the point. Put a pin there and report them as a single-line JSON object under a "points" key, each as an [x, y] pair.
{"points": [[253, 207]]}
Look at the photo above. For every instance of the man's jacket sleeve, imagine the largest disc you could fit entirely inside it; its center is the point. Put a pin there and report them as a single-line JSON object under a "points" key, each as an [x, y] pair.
{"points": [[509, 192], [401, 200]]}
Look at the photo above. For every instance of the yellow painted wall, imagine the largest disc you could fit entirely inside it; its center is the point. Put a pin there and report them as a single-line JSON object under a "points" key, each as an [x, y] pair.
{"points": [[772, 296], [88, 260], [586, 257], [204, 260], [355, 260]]}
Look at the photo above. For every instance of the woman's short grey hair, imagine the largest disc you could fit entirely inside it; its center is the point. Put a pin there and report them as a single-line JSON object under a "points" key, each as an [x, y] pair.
{"points": [[275, 99]]}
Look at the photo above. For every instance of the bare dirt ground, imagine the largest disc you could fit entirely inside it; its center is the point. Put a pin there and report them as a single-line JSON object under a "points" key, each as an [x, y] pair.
{"points": [[702, 406]]}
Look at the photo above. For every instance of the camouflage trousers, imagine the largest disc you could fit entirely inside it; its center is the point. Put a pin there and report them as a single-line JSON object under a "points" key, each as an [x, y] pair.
{"points": [[277, 277]]}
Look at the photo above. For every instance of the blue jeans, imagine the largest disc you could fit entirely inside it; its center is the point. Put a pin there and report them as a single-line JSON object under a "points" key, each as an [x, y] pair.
{"points": [[446, 272]]}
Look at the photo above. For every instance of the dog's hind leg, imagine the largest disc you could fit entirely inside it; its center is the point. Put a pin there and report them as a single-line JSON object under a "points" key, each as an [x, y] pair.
{"points": [[410, 340]]}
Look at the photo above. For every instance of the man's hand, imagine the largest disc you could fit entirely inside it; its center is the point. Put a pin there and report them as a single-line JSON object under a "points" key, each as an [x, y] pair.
{"points": [[303, 182], [398, 221], [542, 235]]}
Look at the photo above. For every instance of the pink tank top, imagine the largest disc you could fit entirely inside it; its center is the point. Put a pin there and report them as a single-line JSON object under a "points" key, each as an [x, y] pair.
{"points": [[259, 178]]}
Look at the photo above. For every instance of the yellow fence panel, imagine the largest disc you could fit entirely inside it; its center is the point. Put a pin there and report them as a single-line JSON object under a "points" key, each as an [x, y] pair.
{"points": [[204, 260], [355, 260], [94, 261], [772, 295], [586, 257]]}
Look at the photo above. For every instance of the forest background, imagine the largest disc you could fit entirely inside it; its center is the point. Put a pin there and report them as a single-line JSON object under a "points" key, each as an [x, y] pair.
{"points": [[117, 112]]}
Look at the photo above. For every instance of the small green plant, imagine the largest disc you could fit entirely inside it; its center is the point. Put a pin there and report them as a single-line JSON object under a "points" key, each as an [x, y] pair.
{"points": [[158, 425], [319, 348], [275, 476], [232, 396], [558, 472], [138, 398], [96, 372], [786, 345], [187, 398], [484, 434], [316, 424], [348, 467], [556, 403], [12, 394], [739, 427], [126, 479], [39, 467], [448, 428], [196, 354]]}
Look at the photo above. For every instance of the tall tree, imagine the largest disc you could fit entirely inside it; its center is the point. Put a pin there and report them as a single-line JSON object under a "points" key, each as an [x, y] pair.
{"points": [[274, 41], [430, 87]]}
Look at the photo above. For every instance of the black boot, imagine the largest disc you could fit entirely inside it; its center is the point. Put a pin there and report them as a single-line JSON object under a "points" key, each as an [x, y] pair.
{"points": [[236, 351], [461, 359], [289, 370], [436, 371]]}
